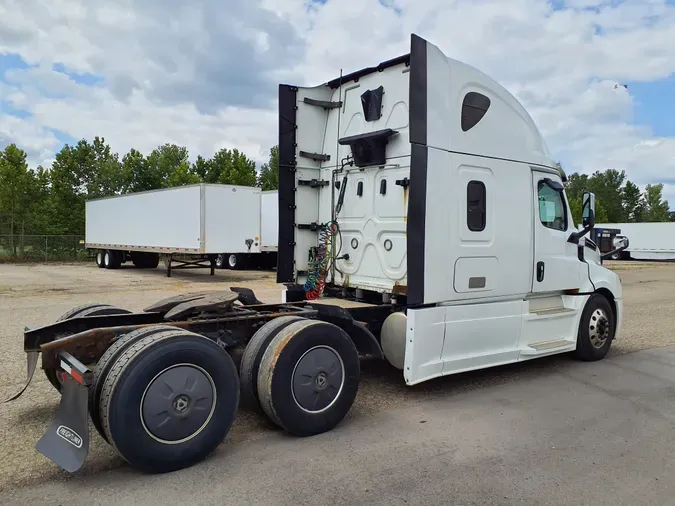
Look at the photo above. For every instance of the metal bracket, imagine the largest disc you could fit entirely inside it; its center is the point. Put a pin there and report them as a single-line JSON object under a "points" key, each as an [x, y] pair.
{"points": [[405, 182], [312, 183], [314, 226], [326, 104], [317, 157]]}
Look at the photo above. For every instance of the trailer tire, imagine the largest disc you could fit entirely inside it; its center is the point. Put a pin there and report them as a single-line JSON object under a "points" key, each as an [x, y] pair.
{"points": [[145, 260], [106, 362], [84, 310], [99, 259], [111, 259], [253, 354], [135, 391], [152, 261], [311, 349], [236, 261], [221, 261], [596, 329]]}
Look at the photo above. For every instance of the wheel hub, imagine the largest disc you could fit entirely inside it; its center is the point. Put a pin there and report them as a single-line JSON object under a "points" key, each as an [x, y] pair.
{"points": [[181, 403], [598, 328], [178, 403], [321, 381], [318, 379]]}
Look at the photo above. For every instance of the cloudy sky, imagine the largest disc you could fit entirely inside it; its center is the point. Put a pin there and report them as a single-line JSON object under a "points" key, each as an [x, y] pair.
{"points": [[204, 73]]}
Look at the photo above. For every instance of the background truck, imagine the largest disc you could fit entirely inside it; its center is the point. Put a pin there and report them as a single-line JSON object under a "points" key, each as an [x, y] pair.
{"points": [[205, 225], [604, 238], [648, 241], [421, 221]]}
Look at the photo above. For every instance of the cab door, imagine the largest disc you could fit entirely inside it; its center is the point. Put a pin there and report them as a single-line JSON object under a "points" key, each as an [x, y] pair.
{"points": [[556, 263]]}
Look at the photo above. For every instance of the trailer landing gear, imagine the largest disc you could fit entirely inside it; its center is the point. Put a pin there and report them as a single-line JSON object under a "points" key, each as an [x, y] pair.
{"points": [[208, 262]]}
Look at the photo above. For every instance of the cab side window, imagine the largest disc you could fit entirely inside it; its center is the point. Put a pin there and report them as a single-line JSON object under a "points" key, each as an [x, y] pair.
{"points": [[552, 209]]}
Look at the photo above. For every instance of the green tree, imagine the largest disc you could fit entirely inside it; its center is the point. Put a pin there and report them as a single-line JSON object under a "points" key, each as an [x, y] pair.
{"points": [[39, 220], [231, 167], [656, 209], [633, 203], [17, 190], [607, 187], [162, 163], [268, 179], [576, 208], [135, 172], [183, 176], [103, 175], [202, 169], [576, 185]]}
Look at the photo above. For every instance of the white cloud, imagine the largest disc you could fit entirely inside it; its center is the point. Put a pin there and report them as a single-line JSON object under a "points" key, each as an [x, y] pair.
{"points": [[204, 75]]}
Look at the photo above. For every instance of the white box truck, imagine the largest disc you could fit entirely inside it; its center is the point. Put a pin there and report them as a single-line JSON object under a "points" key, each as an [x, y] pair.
{"points": [[421, 221], [648, 241], [206, 224]]}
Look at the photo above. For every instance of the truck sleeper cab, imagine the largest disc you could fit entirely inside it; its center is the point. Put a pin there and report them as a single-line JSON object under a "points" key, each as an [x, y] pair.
{"points": [[425, 182]]}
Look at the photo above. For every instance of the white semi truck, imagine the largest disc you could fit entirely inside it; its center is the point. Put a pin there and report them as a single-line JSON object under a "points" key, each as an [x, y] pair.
{"points": [[208, 225], [648, 241], [421, 221]]}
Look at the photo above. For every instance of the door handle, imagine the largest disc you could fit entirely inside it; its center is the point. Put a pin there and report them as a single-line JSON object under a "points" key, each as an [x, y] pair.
{"points": [[540, 271]]}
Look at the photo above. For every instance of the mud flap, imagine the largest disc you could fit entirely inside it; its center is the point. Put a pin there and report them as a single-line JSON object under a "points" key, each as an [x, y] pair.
{"points": [[66, 443], [32, 358]]}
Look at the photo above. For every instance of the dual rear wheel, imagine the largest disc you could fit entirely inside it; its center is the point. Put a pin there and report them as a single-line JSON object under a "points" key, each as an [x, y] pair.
{"points": [[302, 374], [112, 259], [165, 398]]}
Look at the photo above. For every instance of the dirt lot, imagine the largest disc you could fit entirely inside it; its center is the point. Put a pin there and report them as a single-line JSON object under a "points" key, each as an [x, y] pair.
{"points": [[38, 294]]}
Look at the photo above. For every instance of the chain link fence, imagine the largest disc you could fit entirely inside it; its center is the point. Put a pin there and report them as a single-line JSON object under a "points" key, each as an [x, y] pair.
{"points": [[42, 248]]}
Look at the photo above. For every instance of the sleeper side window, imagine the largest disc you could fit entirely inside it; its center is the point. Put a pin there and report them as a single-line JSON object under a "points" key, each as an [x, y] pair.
{"points": [[552, 209], [475, 206], [474, 107]]}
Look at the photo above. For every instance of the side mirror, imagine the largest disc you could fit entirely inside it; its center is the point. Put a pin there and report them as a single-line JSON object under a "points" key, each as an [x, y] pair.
{"points": [[587, 218], [588, 211], [620, 242]]}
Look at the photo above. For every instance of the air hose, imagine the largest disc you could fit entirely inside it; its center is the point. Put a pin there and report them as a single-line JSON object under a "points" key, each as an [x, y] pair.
{"points": [[319, 261]]}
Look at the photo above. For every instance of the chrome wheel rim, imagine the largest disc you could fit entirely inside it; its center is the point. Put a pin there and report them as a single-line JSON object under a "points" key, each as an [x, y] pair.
{"points": [[598, 328]]}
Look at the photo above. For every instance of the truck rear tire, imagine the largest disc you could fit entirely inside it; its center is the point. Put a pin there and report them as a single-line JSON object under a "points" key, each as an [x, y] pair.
{"points": [[169, 400], [221, 261], [84, 310], [309, 377], [106, 362], [253, 354], [596, 329]]}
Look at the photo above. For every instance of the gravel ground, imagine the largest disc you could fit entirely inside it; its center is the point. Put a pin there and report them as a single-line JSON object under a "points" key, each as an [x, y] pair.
{"points": [[38, 294]]}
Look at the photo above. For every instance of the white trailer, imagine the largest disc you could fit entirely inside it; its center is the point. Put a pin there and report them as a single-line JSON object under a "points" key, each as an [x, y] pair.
{"points": [[648, 241], [421, 221], [202, 223]]}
